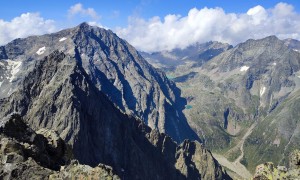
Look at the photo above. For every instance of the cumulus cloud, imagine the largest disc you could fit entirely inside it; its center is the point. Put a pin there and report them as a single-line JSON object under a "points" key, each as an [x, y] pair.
{"points": [[25, 25], [202, 25], [79, 9]]}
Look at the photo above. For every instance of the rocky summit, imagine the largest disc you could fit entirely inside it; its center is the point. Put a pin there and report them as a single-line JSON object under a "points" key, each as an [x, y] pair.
{"points": [[115, 68], [99, 96]]}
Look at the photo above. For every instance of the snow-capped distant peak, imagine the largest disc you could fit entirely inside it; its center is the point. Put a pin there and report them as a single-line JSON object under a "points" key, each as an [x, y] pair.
{"points": [[41, 50], [62, 39]]}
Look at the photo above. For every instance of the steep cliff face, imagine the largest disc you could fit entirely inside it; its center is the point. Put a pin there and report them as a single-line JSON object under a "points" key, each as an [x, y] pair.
{"points": [[115, 68], [59, 94], [26, 154]]}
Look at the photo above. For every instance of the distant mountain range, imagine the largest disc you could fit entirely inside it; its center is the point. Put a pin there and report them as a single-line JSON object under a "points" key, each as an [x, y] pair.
{"points": [[199, 53], [243, 100]]}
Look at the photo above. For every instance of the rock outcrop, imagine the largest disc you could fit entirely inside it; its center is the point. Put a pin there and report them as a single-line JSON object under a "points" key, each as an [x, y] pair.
{"points": [[270, 171], [18, 142], [26, 154], [78, 171]]}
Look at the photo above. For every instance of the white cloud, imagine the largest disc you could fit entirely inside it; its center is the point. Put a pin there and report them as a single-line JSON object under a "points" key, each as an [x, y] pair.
{"points": [[202, 25], [94, 23], [25, 25], [79, 9]]}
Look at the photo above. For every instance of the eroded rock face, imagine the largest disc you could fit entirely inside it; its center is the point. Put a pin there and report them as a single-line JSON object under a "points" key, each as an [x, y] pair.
{"points": [[59, 95], [26, 154], [19, 142]]}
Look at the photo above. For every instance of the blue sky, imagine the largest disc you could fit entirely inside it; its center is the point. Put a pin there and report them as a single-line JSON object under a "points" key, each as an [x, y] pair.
{"points": [[151, 25], [116, 12]]}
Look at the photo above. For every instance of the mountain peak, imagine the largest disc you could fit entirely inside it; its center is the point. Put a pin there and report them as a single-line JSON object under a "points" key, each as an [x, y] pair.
{"points": [[267, 42], [114, 66], [87, 27], [271, 38], [83, 25], [292, 44]]}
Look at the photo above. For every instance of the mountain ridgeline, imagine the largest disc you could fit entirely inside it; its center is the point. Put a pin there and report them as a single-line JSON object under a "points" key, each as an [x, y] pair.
{"points": [[243, 102], [115, 68], [111, 107], [99, 94]]}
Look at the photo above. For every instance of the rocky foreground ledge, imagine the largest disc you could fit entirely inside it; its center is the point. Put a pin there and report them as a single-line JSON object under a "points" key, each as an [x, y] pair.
{"points": [[26, 154], [270, 171]]}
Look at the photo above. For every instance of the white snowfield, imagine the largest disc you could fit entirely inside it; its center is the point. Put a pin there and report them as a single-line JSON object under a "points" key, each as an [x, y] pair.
{"points": [[41, 50], [62, 39], [262, 91], [244, 68], [14, 67]]}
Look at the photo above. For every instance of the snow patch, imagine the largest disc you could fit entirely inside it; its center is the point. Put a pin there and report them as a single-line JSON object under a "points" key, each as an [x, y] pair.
{"points": [[296, 50], [184, 58], [177, 113], [262, 91], [244, 68], [41, 50], [274, 64], [1, 83], [14, 66], [62, 39]]}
